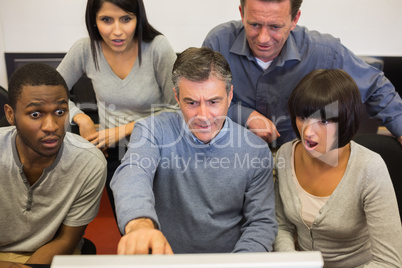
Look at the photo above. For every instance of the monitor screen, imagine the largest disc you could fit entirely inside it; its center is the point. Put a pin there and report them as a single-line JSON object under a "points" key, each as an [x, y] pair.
{"points": [[218, 260]]}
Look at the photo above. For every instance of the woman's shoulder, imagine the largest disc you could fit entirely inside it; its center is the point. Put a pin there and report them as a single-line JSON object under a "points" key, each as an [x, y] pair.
{"points": [[363, 160], [81, 47], [159, 43], [364, 154], [287, 148], [82, 43]]}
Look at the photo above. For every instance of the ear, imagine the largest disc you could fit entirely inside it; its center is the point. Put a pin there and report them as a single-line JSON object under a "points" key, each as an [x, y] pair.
{"points": [[230, 96], [241, 12], [296, 19], [175, 95], [9, 114]]}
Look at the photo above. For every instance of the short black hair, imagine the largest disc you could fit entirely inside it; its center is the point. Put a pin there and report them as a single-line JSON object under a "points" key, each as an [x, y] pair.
{"points": [[33, 74], [317, 93]]}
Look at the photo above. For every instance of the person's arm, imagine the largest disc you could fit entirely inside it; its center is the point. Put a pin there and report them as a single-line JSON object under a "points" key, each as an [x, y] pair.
{"points": [[254, 121], [262, 127], [132, 185], [378, 94], [260, 227], [7, 264], [64, 243], [285, 240], [85, 124], [106, 138], [382, 216], [143, 238], [72, 68]]}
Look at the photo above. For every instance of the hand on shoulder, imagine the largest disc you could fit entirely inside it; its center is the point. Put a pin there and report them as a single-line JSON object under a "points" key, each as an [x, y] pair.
{"points": [[262, 127]]}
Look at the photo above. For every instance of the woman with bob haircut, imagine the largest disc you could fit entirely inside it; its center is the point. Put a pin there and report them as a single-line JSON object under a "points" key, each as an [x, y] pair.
{"points": [[130, 66], [332, 194]]}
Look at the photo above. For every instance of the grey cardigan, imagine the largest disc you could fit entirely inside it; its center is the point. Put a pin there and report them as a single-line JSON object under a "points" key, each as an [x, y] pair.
{"points": [[359, 226]]}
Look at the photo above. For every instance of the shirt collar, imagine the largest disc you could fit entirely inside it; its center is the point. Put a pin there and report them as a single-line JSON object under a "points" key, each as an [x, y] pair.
{"points": [[240, 46], [290, 51]]}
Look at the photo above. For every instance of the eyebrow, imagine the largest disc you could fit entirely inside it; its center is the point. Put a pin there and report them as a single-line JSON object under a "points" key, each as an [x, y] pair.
{"points": [[40, 103], [211, 99]]}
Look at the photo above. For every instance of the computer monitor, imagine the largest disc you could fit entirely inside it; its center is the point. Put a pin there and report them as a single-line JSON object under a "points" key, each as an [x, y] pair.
{"points": [[311, 259]]}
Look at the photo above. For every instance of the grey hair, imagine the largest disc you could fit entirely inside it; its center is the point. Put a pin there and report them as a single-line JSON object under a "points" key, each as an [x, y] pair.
{"points": [[198, 65]]}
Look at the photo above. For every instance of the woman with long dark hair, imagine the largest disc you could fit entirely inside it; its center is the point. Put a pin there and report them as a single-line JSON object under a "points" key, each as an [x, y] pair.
{"points": [[130, 65]]}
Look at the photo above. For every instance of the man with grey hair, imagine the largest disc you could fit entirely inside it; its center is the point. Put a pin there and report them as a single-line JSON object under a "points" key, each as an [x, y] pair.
{"points": [[269, 54], [194, 181]]}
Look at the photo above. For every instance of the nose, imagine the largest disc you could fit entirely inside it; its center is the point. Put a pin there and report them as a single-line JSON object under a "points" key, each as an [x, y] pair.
{"points": [[49, 124], [117, 28], [202, 110], [264, 36], [309, 127]]}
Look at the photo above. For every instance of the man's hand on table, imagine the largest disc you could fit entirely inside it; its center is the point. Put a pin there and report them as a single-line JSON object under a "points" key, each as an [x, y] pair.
{"points": [[142, 238]]}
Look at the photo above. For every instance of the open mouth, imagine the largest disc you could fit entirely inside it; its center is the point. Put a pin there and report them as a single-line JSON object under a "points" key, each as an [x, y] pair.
{"points": [[310, 145], [50, 143], [118, 42]]}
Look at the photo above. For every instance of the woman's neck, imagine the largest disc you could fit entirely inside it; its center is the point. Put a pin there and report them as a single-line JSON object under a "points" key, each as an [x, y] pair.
{"points": [[121, 62]]}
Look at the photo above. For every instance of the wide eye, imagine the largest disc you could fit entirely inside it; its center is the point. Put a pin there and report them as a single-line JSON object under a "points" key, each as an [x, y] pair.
{"points": [[60, 112], [324, 121], [35, 115]]}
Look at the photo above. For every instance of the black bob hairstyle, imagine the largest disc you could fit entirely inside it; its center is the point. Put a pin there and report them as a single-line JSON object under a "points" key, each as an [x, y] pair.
{"points": [[333, 95]]}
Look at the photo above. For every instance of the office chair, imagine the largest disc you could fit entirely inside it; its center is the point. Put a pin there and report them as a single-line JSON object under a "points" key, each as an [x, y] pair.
{"points": [[391, 151], [88, 248], [368, 125]]}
